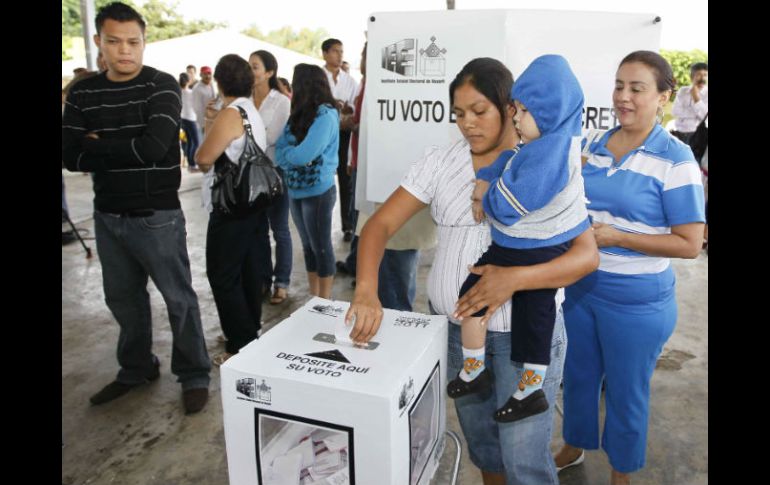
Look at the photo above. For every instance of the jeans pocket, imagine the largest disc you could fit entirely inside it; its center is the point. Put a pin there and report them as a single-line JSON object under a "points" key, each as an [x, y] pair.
{"points": [[160, 220]]}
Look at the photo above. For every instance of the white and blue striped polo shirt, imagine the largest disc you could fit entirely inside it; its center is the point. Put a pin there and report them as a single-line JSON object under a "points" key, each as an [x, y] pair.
{"points": [[653, 187]]}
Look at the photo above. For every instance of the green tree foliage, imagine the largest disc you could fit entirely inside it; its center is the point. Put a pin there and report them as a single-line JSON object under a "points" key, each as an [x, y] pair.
{"points": [[253, 31], [70, 15], [305, 41], [681, 61], [70, 20], [66, 45], [163, 21]]}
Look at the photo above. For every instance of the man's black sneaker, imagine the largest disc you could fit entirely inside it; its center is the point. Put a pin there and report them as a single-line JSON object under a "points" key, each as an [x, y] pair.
{"points": [[195, 399], [115, 389], [342, 268]]}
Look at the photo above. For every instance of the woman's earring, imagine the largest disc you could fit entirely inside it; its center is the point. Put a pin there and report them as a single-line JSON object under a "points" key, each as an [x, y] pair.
{"points": [[659, 115]]}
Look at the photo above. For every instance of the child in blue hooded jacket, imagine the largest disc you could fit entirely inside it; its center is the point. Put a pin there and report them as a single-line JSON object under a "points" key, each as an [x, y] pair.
{"points": [[534, 198]]}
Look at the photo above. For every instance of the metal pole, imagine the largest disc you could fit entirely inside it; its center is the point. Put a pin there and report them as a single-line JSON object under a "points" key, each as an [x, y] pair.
{"points": [[456, 472]]}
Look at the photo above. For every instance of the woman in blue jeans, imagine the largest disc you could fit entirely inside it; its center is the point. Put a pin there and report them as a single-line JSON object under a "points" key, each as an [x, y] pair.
{"points": [[516, 453], [274, 108], [307, 153]]}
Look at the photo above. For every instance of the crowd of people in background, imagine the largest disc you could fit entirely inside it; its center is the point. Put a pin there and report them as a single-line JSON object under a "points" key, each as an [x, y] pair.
{"points": [[625, 203]]}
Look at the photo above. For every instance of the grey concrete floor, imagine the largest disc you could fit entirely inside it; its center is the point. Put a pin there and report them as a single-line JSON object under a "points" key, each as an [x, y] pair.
{"points": [[144, 438]]}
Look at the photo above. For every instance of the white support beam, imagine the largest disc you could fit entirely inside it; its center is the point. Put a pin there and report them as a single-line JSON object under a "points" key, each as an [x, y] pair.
{"points": [[87, 16]]}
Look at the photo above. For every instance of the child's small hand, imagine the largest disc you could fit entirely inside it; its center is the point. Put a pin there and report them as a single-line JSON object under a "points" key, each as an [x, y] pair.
{"points": [[478, 211], [476, 198], [480, 189]]}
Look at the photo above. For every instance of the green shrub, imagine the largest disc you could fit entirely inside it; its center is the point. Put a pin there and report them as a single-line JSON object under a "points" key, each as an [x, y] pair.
{"points": [[680, 62]]}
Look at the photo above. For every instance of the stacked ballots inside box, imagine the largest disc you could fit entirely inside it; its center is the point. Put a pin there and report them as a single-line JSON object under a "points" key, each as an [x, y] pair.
{"points": [[304, 455]]}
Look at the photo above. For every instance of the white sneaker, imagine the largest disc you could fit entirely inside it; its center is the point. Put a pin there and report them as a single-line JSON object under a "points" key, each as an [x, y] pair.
{"points": [[576, 461]]}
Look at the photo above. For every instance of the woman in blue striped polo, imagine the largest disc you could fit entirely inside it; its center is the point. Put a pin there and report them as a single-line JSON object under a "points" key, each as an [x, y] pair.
{"points": [[646, 203]]}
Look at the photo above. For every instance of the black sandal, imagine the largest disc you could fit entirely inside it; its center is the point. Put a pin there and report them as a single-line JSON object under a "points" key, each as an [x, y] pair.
{"points": [[458, 387], [514, 409]]}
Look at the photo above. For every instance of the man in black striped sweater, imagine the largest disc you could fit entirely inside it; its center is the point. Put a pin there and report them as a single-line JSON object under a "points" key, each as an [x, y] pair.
{"points": [[123, 125]]}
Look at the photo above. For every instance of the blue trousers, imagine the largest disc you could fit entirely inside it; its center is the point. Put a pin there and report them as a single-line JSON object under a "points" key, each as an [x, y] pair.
{"points": [[343, 179], [350, 260], [192, 131], [278, 217], [617, 326], [63, 198], [313, 218], [131, 249], [520, 450], [397, 279]]}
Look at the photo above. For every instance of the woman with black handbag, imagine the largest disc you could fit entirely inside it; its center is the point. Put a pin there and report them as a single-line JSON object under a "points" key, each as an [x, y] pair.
{"points": [[307, 152], [232, 250]]}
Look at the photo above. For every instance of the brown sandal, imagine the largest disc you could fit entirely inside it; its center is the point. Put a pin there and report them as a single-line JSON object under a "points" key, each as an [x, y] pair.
{"points": [[279, 296], [220, 359]]}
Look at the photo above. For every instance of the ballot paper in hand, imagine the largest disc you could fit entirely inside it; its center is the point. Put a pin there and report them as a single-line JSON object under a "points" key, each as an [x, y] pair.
{"points": [[342, 331]]}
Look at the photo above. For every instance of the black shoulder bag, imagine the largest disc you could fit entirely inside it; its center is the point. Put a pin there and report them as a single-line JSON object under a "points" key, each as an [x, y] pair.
{"points": [[248, 186]]}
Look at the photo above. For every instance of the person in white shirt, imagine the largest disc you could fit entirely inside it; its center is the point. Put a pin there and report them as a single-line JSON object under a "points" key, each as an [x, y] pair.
{"points": [[274, 108], [189, 123], [192, 73], [692, 103], [203, 92], [344, 89]]}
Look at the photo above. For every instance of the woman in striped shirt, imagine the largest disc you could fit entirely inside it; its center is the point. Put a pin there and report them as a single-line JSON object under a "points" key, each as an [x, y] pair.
{"points": [[444, 179], [646, 202]]}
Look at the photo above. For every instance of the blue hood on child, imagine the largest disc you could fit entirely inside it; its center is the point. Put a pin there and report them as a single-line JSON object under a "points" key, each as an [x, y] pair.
{"points": [[552, 94]]}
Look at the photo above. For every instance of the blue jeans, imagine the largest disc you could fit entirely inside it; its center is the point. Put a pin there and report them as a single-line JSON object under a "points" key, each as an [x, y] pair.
{"points": [[278, 215], [353, 212], [234, 267], [63, 198], [192, 131], [131, 249], [398, 279], [313, 218], [343, 179], [520, 450], [350, 261]]}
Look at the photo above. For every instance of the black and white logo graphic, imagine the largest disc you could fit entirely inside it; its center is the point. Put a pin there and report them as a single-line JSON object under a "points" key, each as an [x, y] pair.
{"points": [[407, 394], [402, 58], [330, 310], [432, 62], [334, 355], [249, 388], [417, 322]]}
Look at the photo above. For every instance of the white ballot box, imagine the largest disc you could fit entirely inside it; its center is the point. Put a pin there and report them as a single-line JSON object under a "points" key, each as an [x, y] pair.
{"points": [[303, 408]]}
